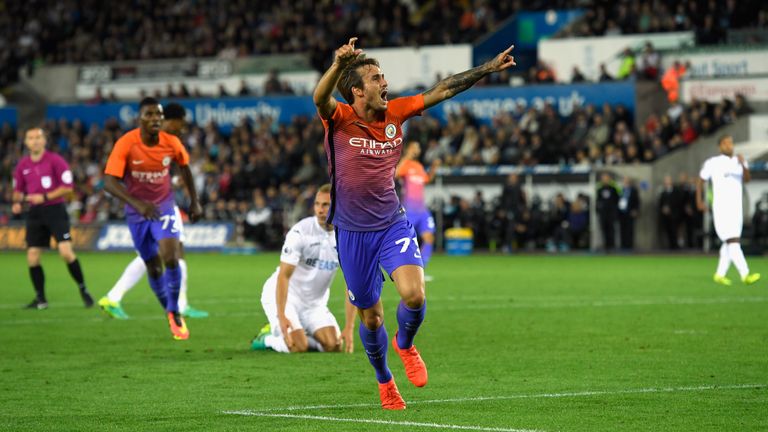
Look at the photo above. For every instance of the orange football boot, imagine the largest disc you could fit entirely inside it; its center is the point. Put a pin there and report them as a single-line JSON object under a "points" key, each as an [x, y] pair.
{"points": [[415, 369], [390, 396], [179, 328]]}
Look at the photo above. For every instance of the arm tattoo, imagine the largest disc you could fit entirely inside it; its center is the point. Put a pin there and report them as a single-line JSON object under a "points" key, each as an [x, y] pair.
{"points": [[456, 84]]}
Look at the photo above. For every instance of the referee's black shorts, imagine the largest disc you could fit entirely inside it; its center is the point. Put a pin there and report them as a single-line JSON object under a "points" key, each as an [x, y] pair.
{"points": [[44, 221]]}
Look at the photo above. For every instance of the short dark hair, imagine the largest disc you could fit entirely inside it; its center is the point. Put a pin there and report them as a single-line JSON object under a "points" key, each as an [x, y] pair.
{"points": [[147, 101], [42, 130], [722, 138], [174, 111], [350, 77]]}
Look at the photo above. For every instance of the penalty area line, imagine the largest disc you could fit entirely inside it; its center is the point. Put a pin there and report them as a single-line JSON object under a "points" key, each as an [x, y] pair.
{"points": [[373, 421]]}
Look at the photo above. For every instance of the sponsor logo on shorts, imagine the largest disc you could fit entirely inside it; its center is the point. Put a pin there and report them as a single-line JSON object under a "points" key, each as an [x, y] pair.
{"points": [[351, 296]]}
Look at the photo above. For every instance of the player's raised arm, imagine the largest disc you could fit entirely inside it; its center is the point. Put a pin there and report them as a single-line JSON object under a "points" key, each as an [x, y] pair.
{"points": [[323, 95], [456, 84]]}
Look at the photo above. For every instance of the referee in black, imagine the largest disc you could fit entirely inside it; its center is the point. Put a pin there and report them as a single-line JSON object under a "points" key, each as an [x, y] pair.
{"points": [[43, 180]]}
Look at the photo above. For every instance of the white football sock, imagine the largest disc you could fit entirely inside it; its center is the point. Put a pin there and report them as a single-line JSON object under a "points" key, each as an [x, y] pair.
{"points": [[277, 343], [183, 292], [314, 345], [130, 277], [737, 256], [725, 261]]}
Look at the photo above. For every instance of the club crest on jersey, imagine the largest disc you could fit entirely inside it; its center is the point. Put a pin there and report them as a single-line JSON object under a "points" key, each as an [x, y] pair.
{"points": [[390, 131], [166, 161], [46, 182]]}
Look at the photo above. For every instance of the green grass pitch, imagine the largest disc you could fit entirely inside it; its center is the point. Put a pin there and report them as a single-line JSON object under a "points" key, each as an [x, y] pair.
{"points": [[547, 343]]}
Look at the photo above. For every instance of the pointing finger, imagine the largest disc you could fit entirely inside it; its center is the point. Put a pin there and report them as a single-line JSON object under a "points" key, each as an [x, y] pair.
{"points": [[352, 41]]}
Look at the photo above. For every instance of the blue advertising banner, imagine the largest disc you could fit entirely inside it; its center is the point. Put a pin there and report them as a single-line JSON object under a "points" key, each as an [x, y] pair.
{"points": [[226, 113], [8, 115], [486, 102], [210, 237]]}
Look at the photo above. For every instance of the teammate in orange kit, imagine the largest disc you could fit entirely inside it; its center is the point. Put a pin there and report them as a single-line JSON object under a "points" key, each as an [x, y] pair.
{"points": [[141, 159]]}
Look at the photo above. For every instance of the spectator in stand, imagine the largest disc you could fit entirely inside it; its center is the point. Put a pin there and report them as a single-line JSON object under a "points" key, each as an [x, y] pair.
{"points": [[627, 66], [670, 207], [244, 89], [671, 80], [741, 107], [687, 196], [604, 75], [760, 224], [578, 223], [273, 86], [607, 210], [258, 220], [513, 204], [687, 131], [559, 211], [541, 74], [629, 210], [577, 76], [649, 63]]}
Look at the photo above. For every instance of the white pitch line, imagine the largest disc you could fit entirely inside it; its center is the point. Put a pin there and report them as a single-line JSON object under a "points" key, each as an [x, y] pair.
{"points": [[383, 422], [524, 396]]}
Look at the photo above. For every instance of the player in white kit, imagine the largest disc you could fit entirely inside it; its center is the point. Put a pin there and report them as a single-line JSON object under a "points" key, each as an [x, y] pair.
{"points": [[295, 297], [727, 173]]}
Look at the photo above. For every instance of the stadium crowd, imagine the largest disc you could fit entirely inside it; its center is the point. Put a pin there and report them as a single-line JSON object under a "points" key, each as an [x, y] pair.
{"points": [[87, 31], [710, 20]]}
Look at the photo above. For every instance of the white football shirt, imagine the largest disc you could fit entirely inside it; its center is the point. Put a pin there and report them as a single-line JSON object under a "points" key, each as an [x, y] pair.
{"points": [[726, 174], [312, 249]]}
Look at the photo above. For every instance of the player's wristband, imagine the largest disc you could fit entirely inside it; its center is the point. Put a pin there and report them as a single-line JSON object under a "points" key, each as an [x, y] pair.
{"points": [[45, 197]]}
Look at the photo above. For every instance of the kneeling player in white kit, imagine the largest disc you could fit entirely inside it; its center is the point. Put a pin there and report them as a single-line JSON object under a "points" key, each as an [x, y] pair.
{"points": [[295, 297], [727, 173]]}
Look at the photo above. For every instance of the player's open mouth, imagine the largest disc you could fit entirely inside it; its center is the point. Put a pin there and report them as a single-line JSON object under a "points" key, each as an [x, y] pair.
{"points": [[384, 95]]}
